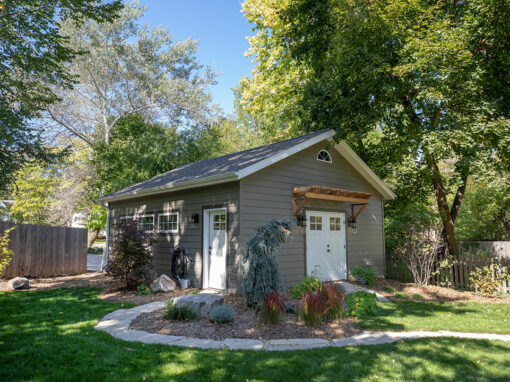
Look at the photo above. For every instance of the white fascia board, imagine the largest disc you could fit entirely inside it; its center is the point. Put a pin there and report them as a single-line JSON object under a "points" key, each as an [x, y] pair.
{"points": [[171, 187], [362, 168], [284, 154]]}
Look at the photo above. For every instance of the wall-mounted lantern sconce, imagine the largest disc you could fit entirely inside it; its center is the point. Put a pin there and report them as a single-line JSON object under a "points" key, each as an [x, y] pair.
{"points": [[301, 220], [195, 218], [352, 224]]}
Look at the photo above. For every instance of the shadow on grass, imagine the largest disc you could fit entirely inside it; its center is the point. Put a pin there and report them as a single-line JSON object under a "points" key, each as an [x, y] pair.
{"points": [[49, 336]]}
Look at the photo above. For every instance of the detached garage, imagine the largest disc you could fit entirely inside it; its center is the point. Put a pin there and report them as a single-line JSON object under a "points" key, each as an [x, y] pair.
{"points": [[212, 207]]}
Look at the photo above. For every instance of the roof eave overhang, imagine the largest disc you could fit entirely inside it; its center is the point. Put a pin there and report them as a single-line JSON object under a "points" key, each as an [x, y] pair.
{"points": [[171, 187], [360, 166]]}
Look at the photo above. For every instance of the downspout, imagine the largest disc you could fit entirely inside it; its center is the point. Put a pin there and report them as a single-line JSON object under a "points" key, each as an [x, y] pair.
{"points": [[104, 260]]}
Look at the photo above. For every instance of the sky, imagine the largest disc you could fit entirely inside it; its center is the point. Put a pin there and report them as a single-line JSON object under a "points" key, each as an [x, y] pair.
{"points": [[221, 30]]}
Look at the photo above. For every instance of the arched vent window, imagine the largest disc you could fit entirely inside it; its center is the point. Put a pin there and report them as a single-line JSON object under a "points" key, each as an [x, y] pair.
{"points": [[324, 156]]}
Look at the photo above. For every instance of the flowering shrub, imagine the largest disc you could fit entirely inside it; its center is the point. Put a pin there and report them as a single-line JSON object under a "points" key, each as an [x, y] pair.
{"points": [[143, 290], [272, 307], [361, 304]]}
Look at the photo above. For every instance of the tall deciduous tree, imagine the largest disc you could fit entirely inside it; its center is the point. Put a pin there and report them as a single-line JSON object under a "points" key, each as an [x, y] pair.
{"points": [[130, 69], [411, 84], [34, 57]]}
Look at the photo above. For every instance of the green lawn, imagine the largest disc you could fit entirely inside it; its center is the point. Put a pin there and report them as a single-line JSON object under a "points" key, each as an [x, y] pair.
{"points": [[49, 336], [459, 317]]}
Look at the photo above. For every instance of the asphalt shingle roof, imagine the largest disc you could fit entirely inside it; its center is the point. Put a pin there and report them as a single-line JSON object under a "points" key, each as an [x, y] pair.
{"points": [[216, 166]]}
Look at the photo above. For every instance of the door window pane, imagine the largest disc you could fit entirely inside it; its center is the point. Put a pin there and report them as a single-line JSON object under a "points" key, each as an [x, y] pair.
{"points": [[219, 222], [334, 224], [315, 223]]}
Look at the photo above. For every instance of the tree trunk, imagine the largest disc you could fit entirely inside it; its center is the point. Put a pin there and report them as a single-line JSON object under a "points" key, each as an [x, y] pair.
{"points": [[444, 208], [92, 237], [459, 195], [502, 218]]}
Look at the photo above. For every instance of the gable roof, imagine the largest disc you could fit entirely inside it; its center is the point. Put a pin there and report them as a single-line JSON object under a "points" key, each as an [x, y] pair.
{"points": [[238, 165]]}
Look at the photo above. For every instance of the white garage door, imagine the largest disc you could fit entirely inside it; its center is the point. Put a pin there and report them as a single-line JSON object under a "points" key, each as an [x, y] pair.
{"points": [[325, 245]]}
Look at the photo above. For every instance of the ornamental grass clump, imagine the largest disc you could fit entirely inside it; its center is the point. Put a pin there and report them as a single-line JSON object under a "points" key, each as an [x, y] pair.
{"points": [[325, 304], [272, 308], [334, 301], [179, 313], [262, 276]]}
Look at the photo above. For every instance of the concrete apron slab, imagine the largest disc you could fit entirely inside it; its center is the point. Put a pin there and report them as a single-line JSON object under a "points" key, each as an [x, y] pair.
{"points": [[117, 324]]}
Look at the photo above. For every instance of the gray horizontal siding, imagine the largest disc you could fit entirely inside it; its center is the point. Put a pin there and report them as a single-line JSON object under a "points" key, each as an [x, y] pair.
{"points": [[190, 234], [267, 195]]}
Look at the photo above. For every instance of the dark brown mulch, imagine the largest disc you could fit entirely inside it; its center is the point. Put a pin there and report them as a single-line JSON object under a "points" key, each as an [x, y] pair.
{"points": [[246, 324], [433, 293]]}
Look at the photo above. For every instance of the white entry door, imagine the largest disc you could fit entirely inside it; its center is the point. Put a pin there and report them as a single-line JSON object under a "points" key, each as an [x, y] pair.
{"points": [[215, 248], [326, 245]]}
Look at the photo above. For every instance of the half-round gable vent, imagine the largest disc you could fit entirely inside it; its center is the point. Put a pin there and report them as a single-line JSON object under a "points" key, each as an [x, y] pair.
{"points": [[324, 156]]}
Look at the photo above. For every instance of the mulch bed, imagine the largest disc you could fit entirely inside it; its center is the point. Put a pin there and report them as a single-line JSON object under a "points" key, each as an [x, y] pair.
{"points": [[433, 293], [246, 324]]}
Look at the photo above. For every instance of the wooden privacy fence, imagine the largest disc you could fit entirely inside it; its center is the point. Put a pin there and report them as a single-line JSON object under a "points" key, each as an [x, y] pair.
{"points": [[456, 276], [46, 251]]}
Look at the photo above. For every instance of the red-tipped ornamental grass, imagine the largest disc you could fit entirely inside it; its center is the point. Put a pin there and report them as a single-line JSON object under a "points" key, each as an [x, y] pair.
{"points": [[272, 308]]}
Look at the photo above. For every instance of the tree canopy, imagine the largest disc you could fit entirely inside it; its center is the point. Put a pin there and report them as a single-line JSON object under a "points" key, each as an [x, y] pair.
{"points": [[411, 85]]}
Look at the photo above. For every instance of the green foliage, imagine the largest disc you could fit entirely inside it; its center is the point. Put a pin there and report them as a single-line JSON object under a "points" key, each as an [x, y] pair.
{"points": [[6, 253], [402, 296], [262, 276], [143, 290], [389, 289], [361, 304], [308, 284], [179, 313], [488, 280], [414, 87], [34, 60], [222, 314], [130, 253], [272, 308], [416, 296], [365, 273]]}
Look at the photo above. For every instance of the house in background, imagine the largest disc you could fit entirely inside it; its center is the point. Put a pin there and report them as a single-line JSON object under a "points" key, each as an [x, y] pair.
{"points": [[214, 206], [5, 209]]}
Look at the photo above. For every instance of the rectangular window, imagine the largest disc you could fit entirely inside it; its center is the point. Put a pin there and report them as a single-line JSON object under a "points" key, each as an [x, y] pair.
{"points": [[334, 224], [315, 223], [219, 222], [145, 223], [168, 222], [127, 219]]}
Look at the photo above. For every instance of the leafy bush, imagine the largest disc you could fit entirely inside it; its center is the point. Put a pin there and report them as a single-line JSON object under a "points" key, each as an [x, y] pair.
{"points": [[364, 273], [5, 252], [181, 313], [130, 253], [308, 284], [222, 314], [416, 296], [488, 280], [361, 304], [143, 290], [402, 295], [327, 303], [389, 289], [272, 308], [312, 310], [262, 276]]}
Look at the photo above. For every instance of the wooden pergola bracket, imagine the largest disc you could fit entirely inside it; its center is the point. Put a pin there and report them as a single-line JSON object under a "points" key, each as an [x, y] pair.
{"points": [[363, 205], [297, 208]]}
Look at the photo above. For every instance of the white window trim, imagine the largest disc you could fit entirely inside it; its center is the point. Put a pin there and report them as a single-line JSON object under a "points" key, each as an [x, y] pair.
{"points": [[136, 217], [169, 230], [323, 160]]}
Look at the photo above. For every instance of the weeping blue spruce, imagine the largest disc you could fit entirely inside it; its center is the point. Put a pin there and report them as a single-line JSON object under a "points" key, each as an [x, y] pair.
{"points": [[262, 275]]}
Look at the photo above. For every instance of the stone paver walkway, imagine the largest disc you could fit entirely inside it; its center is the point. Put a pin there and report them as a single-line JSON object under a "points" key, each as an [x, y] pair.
{"points": [[117, 324]]}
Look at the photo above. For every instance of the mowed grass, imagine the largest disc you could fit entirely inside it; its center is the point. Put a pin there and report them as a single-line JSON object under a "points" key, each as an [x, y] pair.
{"points": [[459, 316], [49, 336]]}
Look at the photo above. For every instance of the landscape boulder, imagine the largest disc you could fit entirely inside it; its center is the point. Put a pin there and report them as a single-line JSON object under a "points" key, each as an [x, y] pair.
{"points": [[163, 284], [18, 283], [201, 303]]}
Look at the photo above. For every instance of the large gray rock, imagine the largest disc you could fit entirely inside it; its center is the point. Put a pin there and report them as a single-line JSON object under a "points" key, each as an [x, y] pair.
{"points": [[163, 284], [201, 303], [18, 283]]}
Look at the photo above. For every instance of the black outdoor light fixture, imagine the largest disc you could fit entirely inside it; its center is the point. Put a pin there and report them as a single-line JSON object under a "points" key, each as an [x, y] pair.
{"points": [[352, 224], [195, 217], [301, 220]]}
